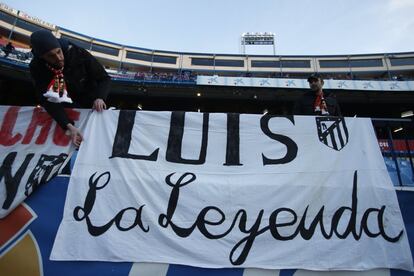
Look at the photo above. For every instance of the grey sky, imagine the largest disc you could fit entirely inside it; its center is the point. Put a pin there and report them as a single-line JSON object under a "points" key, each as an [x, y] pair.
{"points": [[302, 27]]}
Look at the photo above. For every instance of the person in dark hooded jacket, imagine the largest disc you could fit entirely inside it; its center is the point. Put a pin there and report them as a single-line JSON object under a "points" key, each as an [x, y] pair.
{"points": [[316, 102], [66, 75]]}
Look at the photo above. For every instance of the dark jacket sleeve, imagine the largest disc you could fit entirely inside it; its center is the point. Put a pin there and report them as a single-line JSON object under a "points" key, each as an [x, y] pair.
{"points": [[303, 105], [333, 106], [96, 71], [55, 110], [337, 109], [297, 107]]}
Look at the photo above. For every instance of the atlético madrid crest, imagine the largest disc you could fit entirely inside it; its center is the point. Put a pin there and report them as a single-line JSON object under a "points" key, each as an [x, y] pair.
{"points": [[332, 131]]}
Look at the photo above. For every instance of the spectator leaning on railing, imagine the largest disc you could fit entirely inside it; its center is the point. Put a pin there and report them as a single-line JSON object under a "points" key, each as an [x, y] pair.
{"points": [[66, 75], [316, 102]]}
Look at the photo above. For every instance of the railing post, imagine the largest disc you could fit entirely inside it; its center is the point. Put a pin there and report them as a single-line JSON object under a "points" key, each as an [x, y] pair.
{"points": [[394, 157]]}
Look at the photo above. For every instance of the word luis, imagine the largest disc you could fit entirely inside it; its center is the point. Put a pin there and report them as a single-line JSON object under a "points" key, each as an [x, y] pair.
{"points": [[173, 154]]}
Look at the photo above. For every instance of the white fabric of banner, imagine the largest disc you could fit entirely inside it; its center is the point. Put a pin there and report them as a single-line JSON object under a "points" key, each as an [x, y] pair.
{"points": [[228, 190], [32, 150]]}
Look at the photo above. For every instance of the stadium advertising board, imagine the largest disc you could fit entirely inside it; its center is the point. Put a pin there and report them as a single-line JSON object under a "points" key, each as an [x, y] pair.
{"points": [[369, 85]]}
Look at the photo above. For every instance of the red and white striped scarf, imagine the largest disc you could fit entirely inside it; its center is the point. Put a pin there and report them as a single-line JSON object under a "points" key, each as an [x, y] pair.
{"points": [[57, 84], [56, 90], [320, 105]]}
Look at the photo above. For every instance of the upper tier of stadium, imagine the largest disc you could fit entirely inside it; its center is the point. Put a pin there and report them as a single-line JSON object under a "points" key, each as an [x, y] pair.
{"points": [[17, 26]]}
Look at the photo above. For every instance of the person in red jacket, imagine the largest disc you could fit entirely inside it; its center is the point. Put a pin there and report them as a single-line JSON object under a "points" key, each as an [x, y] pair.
{"points": [[66, 75]]}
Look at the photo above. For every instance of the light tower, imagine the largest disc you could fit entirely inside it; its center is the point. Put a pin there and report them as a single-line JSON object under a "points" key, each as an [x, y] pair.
{"points": [[257, 39]]}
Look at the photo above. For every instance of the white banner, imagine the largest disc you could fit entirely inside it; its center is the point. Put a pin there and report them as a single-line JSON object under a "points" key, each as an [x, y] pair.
{"points": [[224, 190], [368, 85], [32, 151]]}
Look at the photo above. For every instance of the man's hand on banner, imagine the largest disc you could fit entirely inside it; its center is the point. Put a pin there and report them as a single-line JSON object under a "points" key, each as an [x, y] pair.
{"points": [[99, 105], [75, 134]]}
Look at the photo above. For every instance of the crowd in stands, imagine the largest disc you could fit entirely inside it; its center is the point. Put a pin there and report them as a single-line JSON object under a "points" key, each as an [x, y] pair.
{"points": [[340, 76], [24, 55], [14, 53], [183, 76]]}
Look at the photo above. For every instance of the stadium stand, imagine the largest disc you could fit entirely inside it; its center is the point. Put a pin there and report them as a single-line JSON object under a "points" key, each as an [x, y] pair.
{"points": [[368, 85]]}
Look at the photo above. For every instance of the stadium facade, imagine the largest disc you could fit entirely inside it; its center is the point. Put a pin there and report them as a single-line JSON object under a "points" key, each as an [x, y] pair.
{"points": [[151, 76]]}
